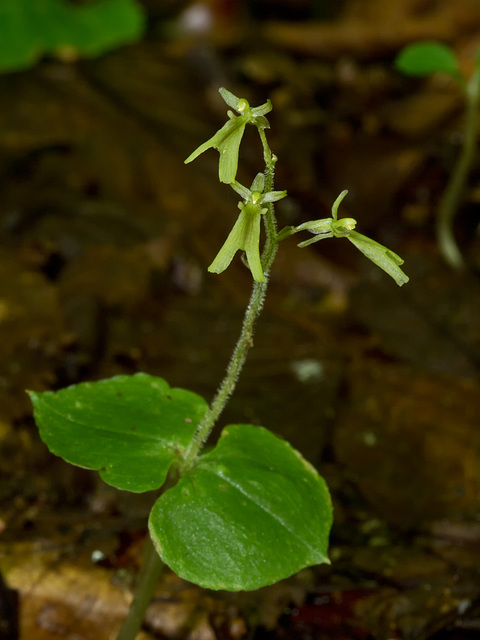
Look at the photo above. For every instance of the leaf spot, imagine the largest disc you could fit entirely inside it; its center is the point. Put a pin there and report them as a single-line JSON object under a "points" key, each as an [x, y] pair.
{"points": [[221, 470]]}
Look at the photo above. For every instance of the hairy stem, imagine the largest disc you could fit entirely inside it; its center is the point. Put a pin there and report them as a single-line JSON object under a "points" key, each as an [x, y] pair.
{"points": [[453, 194], [152, 565], [245, 340]]}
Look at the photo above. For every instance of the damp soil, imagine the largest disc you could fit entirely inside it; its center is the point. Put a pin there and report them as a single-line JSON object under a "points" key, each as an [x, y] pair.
{"points": [[105, 240]]}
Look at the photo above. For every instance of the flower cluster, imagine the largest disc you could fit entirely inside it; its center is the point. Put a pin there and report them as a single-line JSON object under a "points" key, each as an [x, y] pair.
{"points": [[245, 235]]}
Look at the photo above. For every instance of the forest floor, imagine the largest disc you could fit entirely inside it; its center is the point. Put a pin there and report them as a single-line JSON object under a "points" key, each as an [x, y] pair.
{"points": [[105, 240]]}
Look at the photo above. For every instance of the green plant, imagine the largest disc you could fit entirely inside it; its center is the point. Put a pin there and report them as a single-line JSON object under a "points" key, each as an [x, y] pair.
{"points": [[250, 511], [30, 29], [425, 58]]}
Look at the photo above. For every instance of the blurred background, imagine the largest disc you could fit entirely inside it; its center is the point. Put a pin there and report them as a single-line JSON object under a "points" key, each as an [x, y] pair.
{"points": [[105, 238]]}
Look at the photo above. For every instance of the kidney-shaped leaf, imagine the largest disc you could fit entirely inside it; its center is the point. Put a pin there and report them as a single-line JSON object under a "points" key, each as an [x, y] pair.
{"points": [[129, 428], [251, 512]]}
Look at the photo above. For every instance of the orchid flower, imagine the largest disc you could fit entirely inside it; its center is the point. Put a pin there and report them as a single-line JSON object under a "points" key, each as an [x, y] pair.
{"points": [[227, 139], [383, 257], [245, 234]]}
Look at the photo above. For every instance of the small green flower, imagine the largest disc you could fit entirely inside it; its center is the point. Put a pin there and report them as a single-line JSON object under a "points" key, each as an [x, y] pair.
{"points": [[227, 139], [387, 260], [245, 235]]}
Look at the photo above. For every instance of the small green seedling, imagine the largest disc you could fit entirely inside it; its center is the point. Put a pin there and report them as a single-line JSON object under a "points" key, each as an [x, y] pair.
{"points": [[423, 59], [251, 510]]}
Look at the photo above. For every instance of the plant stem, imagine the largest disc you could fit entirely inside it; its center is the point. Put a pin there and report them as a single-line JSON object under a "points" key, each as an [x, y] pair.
{"points": [[150, 572], [152, 565], [452, 196], [245, 340]]}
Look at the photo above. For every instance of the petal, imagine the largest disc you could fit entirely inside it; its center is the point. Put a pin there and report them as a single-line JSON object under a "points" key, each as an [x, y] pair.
{"points": [[317, 226], [337, 203], [306, 243], [343, 227], [229, 98], [258, 183], [262, 109], [241, 190], [273, 196], [260, 122]]}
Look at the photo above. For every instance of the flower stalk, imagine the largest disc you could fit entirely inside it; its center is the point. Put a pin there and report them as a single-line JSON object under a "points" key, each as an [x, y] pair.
{"points": [[257, 204]]}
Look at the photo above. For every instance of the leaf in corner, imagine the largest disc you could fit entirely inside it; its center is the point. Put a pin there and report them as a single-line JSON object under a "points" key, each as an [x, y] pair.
{"points": [[129, 428], [30, 29]]}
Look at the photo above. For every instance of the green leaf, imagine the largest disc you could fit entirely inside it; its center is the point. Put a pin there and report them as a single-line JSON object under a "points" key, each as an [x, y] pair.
{"points": [[102, 25], [424, 58], [130, 428], [30, 29], [251, 512]]}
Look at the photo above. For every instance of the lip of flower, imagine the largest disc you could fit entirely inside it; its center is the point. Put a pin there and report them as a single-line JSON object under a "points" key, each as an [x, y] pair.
{"points": [[244, 236]]}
